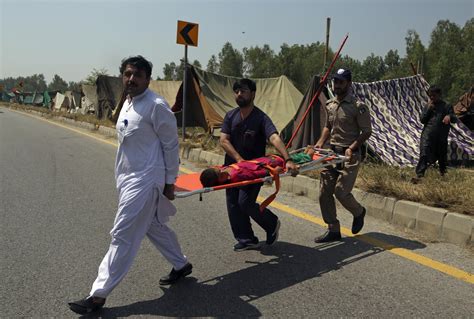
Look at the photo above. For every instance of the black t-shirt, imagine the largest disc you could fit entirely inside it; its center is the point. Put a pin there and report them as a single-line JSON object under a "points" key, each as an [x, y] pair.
{"points": [[249, 136]]}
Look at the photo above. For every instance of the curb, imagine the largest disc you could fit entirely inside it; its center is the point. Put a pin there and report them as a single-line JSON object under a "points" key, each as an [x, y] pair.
{"points": [[433, 223]]}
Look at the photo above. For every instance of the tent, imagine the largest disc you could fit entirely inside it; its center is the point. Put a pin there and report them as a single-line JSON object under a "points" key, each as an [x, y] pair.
{"points": [[109, 91], [464, 108], [395, 108], [89, 100], [61, 102], [210, 97], [311, 128]]}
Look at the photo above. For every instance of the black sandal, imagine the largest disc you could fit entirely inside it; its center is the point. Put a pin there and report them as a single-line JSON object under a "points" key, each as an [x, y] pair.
{"points": [[86, 305]]}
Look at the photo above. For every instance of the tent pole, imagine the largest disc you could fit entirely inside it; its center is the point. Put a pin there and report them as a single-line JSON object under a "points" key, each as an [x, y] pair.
{"points": [[326, 49], [318, 92], [183, 122]]}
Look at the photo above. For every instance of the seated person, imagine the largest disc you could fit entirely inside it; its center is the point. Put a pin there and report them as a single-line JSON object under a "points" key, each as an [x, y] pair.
{"points": [[242, 171]]}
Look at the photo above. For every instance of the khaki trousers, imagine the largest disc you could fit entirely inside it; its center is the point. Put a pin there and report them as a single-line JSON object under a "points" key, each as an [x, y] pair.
{"points": [[339, 183]]}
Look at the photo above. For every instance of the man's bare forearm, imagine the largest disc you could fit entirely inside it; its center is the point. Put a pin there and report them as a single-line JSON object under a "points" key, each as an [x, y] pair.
{"points": [[230, 150]]}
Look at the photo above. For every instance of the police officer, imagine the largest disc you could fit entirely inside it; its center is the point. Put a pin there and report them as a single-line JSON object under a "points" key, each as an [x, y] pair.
{"points": [[347, 128]]}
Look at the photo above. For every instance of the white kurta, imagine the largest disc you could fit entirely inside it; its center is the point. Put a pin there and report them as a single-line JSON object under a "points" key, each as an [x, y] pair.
{"points": [[147, 158]]}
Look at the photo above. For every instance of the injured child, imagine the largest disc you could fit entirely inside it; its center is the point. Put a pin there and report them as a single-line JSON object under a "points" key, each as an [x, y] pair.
{"points": [[248, 170]]}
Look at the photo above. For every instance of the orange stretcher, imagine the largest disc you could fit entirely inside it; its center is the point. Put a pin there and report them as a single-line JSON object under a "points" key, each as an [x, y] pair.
{"points": [[189, 184]]}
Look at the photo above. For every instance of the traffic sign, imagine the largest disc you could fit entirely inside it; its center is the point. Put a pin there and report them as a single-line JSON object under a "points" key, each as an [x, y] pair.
{"points": [[187, 33]]}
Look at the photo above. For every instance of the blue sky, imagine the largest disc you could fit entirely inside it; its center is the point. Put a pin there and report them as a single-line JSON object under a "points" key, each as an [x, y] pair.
{"points": [[70, 38]]}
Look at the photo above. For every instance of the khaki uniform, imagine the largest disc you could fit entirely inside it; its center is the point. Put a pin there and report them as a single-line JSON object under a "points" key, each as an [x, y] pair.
{"points": [[346, 120]]}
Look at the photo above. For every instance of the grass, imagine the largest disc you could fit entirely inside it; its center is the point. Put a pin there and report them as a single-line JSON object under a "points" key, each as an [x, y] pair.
{"points": [[452, 191]]}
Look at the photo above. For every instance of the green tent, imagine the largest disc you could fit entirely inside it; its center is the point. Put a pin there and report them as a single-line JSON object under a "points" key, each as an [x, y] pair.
{"points": [[210, 97]]}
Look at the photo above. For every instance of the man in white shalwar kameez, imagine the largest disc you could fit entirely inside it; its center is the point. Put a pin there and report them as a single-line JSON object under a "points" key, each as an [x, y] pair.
{"points": [[145, 170]]}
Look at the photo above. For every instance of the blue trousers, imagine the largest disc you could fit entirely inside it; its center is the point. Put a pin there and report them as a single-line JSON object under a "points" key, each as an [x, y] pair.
{"points": [[241, 206]]}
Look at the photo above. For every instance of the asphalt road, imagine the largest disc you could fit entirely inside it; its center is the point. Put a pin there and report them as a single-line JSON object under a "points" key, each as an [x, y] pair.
{"points": [[57, 206]]}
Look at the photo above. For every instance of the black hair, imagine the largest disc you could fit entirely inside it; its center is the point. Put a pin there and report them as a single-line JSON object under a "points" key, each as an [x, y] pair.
{"points": [[139, 62], [245, 83], [209, 177], [435, 89]]}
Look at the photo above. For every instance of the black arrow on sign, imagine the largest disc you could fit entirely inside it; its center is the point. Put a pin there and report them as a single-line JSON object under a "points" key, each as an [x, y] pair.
{"points": [[184, 33]]}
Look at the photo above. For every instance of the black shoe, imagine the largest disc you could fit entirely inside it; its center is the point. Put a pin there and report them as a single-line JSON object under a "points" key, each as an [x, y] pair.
{"points": [[246, 245], [86, 305], [328, 237], [358, 222], [176, 275], [273, 236]]}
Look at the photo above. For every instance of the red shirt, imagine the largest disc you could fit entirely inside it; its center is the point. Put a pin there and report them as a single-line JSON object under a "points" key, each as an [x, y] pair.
{"points": [[248, 170]]}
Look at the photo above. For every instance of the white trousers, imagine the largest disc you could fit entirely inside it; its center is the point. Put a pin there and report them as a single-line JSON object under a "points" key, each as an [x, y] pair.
{"points": [[130, 227]]}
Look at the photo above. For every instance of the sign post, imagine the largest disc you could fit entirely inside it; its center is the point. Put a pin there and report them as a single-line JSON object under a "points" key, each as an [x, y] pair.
{"points": [[187, 34]]}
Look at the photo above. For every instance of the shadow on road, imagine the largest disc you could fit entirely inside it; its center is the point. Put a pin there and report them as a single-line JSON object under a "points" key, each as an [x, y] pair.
{"points": [[230, 295]]}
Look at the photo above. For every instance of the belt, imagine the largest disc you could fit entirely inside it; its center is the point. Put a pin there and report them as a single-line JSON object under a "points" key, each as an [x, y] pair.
{"points": [[342, 149]]}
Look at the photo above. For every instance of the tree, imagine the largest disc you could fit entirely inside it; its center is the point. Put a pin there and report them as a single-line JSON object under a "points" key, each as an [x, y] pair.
{"points": [[373, 68], [231, 61], [415, 51], [57, 84], [212, 65], [92, 77], [33, 83], [260, 62], [197, 64], [300, 63], [393, 65], [447, 60], [169, 71], [74, 86]]}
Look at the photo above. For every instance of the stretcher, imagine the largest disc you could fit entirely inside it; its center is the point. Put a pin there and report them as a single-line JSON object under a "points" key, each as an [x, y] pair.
{"points": [[189, 184]]}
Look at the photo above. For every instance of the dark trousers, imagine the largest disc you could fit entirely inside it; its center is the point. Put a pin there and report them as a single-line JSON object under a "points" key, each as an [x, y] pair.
{"points": [[241, 205], [427, 158]]}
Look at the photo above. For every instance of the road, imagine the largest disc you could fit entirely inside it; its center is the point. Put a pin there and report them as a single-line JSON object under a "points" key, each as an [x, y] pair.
{"points": [[57, 207]]}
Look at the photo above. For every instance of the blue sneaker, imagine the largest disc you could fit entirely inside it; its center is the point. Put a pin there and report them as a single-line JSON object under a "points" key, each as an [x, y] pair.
{"points": [[246, 245]]}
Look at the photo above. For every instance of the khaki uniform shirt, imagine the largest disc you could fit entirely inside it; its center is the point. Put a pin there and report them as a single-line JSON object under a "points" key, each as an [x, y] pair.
{"points": [[346, 120]]}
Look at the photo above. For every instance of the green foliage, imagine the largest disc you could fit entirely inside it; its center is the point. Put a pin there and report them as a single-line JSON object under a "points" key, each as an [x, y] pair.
{"points": [[33, 83], [173, 72], [231, 61], [74, 86], [92, 77], [450, 57], [212, 65], [57, 84], [260, 62], [446, 62]]}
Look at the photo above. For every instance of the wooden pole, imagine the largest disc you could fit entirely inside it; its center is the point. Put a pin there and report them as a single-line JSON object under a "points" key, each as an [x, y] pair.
{"points": [[326, 49]]}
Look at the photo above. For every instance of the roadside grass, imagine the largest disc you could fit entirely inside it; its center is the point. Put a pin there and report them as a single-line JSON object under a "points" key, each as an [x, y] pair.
{"points": [[454, 191]]}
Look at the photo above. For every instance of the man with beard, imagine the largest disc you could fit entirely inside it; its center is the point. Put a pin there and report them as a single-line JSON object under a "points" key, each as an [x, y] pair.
{"points": [[244, 135], [347, 128], [146, 168], [436, 118]]}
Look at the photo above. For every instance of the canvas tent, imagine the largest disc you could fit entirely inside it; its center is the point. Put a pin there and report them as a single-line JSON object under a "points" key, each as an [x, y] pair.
{"points": [[464, 108], [395, 107], [311, 128], [88, 98], [210, 97], [109, 91]]}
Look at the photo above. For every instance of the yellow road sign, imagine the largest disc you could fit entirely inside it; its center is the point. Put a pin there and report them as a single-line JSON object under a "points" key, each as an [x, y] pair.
{"points": [[187, 33]]}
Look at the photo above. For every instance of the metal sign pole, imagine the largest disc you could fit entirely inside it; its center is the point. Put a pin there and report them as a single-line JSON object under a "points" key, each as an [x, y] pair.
{"points": [[183, 122]]}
